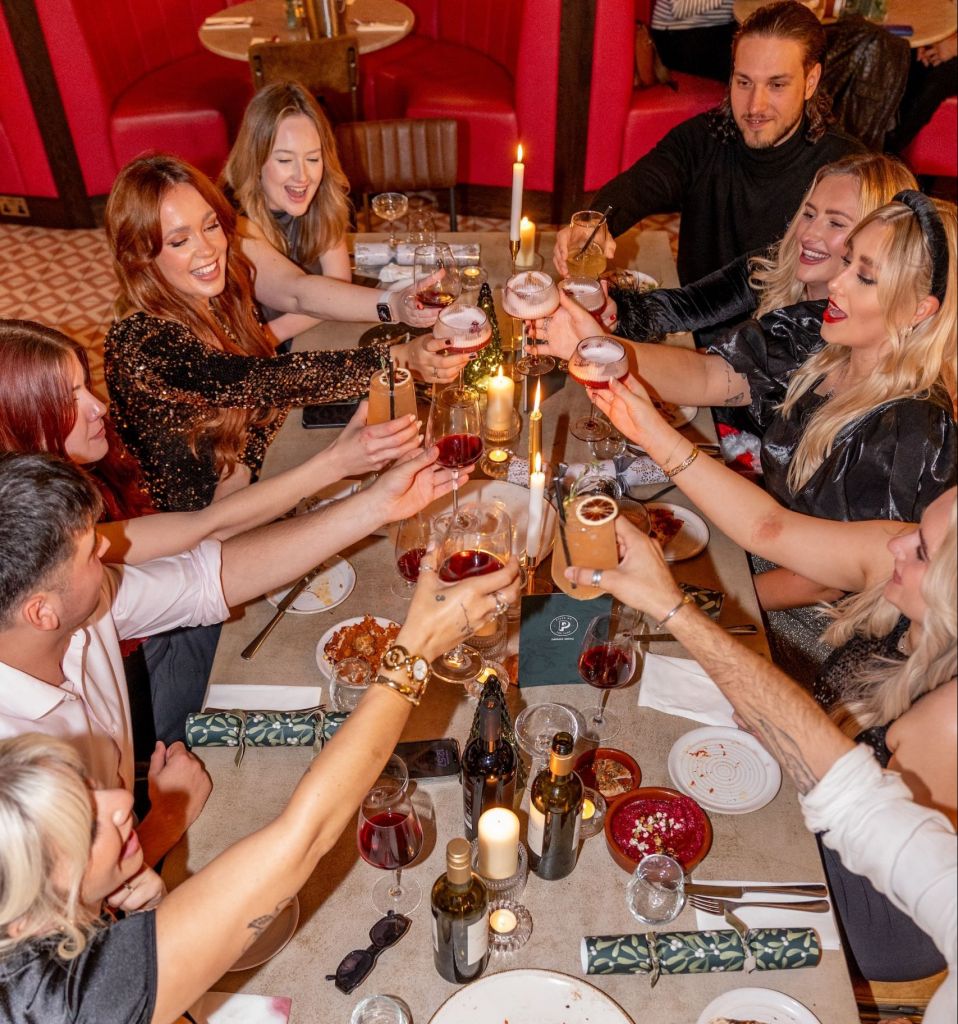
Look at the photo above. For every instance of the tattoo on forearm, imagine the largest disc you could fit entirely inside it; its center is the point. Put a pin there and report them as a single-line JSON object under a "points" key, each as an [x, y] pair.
{"points": [[732, 397], [783, 748], [259, 924]]}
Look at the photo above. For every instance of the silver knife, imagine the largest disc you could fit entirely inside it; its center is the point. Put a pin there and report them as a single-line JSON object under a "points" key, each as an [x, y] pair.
{"points": [[281, 609], [661, 638], [736, 892]]}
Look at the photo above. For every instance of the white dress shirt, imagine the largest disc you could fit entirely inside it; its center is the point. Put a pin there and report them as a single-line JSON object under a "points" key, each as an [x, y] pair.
{"points": [[908, 852], [90, 709]]}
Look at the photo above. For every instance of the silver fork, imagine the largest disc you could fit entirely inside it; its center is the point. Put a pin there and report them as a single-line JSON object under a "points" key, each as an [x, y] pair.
{"points": [[713, 906]]}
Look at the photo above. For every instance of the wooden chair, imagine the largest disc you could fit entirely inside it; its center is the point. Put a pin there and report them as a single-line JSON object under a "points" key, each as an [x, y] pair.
{"points": [[323, 66], [401, 155], [882, 1000]]}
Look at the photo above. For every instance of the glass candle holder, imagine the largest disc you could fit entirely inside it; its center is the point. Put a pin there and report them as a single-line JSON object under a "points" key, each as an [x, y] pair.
{"points": [[592, 823], [510, 925], [510, 888], [499, 448]]}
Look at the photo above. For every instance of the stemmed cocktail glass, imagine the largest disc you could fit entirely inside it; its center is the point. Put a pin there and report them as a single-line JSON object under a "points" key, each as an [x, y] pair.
{"points": [[465, 330], [390, 206], [596, 362], [529, 296]]}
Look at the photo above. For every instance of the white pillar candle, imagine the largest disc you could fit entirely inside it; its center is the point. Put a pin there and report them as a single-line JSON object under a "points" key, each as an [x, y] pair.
{"points": [[500, 394], [537, 487], [498, 831], [527, 243], [518, 175]]}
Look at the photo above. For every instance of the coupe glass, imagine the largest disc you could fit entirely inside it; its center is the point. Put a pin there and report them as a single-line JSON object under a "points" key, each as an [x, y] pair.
{"points": [[465, 330], [390, 206], [435, 276], [587, 258], [595, 362], [389, 836], [474, 540], [607, 660], [528, 296], [537, 724], [455, 425], [412, 536]]}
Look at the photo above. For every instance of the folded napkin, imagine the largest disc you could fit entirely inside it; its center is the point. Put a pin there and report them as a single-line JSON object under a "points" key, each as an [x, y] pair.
{"points": [[700, 952], [378, 26], [228, 21], [378, 254], [630, 471], [240, 1008], [679, 686], [251, 697], [758, 918]]}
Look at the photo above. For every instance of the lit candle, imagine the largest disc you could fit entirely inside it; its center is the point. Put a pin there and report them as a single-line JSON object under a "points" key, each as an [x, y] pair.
{"points": [[503, 921], [537, 487], [535, 431], [518, 174], [498, 832], [527, 246], [500, 394]]}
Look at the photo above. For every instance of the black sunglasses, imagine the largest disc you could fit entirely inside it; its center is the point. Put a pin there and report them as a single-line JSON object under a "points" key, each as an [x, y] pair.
{"points": [[356, 966]]}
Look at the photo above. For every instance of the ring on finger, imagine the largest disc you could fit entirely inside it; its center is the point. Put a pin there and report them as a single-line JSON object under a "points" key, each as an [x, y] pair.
{"points": [[501, 604], [426, 567], [596, 577]]}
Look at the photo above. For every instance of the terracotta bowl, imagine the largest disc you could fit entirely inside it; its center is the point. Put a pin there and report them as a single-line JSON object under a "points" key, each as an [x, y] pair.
{"points": [[585, 761], [626, 804]]}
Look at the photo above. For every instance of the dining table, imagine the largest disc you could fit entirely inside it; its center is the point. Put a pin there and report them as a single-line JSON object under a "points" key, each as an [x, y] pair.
{"points": [[336, 912], [231, 31]]}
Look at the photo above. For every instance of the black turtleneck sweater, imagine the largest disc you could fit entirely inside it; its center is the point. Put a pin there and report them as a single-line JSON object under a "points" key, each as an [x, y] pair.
{"points": [[733, 199]]}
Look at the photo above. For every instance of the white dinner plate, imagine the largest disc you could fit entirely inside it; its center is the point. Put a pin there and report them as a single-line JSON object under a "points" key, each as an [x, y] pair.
{"points": [[272, 940], [758, 1004], [691, 540], [725, 770], [682, 415], [326, 589], [530, 997], [325, 665], [516, 500]]}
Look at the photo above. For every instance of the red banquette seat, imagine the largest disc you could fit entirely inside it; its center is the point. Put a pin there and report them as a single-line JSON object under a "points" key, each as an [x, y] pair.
{"points": [[625, 122], [934, 150], [134, 76], [490, 64]]}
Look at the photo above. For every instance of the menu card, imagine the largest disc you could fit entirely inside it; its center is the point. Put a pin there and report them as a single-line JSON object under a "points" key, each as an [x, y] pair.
{"points": [[551, 628]]}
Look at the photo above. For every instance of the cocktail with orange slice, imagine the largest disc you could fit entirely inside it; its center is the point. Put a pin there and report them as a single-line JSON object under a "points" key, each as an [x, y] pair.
{"points": [[590, 532]]}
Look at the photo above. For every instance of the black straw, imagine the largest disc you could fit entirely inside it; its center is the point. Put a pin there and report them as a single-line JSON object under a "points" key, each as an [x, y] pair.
{"points": [[557, 487], [595, 230]]}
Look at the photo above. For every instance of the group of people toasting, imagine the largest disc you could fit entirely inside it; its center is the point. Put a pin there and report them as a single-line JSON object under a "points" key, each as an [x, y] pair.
{"points": [[821, 283]]}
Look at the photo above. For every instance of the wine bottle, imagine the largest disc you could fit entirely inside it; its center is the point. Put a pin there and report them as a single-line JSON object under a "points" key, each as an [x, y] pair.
{"points": [[460, 924], [488, 768], [555, 813]]}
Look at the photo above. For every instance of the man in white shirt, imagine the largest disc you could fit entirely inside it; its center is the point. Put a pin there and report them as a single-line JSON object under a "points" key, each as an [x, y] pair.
{"points": [[63, 614]]}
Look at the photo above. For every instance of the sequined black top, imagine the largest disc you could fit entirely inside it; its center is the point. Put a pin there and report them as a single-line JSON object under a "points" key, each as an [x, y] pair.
{"points": [[163, 380], [890, 463]]}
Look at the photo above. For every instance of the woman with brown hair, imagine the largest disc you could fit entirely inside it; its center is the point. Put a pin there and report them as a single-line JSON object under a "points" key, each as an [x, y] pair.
{"points": [[198, 392]]}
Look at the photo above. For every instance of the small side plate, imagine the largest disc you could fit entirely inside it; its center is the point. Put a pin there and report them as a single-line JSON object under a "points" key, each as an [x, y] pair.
{"points": [[326, 590], [763, 1005], [691, 540]]}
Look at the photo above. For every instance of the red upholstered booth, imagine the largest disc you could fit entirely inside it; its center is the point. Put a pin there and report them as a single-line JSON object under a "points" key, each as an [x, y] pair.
{"points": [[625, 122], [133, 76], [24, 170], [934, 150], [493, 65]]}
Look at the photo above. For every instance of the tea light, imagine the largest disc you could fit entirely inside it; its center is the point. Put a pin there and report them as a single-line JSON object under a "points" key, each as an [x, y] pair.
{"points": [[498, 455], [588, 809], [498, 834], [503, 921], [500, 394], [593, 812]]}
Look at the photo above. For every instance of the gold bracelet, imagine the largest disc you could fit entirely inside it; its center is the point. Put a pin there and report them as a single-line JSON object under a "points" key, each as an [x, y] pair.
{"points": [[405, 690], [693, 455]]}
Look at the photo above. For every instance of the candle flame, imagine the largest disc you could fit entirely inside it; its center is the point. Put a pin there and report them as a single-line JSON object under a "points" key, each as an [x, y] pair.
{"points": [[519, 153], [535, 407], [538, 462]]}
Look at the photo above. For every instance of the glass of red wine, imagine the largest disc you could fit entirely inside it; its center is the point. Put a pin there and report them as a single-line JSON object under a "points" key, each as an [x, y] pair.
{"points": [[455, 426], [607, 660], [389, 836], [435, 276], [412, 536], [595, 362], [473, 541]]}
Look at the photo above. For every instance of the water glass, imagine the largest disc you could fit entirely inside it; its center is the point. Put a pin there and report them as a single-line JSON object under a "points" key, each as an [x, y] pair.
{"points": [[656, 891], [350, 681], [381, 1010]]}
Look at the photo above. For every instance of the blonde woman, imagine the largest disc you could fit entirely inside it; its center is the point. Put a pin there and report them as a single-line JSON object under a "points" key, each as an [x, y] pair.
{"points": [[284, 174]]}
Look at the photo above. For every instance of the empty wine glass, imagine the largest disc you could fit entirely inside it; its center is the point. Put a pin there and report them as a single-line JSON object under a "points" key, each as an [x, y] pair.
{"points": [[473, 541], [435, 276], [390, 206], [412, 536], [595, 362], [465, 330], [455, 425], [528, 296], [607, 659], [588, 234], [389, 836], [537, 724]]}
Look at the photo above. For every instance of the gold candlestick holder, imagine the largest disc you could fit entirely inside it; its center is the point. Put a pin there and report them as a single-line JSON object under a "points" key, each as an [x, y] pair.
{"points": [[534, 585], [514, 244], [499, 448]]}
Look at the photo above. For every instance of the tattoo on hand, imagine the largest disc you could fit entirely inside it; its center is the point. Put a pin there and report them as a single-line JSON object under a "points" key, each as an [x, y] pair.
{"points": [[440, 597], [469, 628]]}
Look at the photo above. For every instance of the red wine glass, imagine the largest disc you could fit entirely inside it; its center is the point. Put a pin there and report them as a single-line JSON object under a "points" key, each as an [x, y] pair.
{"points": [[607, 660], [595, 362], [455, 425], [473, 541], [412, 536], [435, 276], [389, 836]]}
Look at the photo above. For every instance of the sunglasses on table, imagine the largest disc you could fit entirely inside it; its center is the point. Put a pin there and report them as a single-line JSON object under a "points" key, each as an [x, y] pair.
{"points": [[356, 966]]}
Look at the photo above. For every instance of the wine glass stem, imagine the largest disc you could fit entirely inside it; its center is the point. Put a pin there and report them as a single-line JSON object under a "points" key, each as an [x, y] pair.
{"points": [[455, 493], [591, 422], [396, 888], [599, 718]]}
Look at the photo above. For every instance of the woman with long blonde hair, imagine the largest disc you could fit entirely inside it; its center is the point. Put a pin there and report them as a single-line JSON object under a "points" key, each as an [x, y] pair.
{"points": [[892, 682], [285, 177]]}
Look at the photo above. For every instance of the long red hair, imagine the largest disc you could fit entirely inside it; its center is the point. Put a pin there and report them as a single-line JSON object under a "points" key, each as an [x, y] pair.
{"points": [[135, 235], [38, 411]]}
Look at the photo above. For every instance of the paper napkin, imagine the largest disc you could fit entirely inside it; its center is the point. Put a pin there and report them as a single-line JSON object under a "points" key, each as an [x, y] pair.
{"points": [[679, 686], [240, 1008], [255, 697]]}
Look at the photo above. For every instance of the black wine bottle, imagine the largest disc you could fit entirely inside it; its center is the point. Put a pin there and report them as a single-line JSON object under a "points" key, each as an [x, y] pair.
{"points": [[488, 768], [460, 925], [555, 813]]}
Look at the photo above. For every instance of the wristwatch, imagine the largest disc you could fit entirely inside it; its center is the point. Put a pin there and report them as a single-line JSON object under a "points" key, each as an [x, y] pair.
{"points": [[384, 313], [417, 672]]}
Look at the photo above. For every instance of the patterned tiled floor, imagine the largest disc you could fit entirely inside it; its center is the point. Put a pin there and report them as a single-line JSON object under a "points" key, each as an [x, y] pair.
{"points": [[65, 278]]}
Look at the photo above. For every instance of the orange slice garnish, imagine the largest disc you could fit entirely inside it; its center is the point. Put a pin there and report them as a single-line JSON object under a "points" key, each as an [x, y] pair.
{"points": [[596, 510]]}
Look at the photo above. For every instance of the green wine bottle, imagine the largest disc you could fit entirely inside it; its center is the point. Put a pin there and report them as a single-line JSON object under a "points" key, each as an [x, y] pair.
{"points": [[555, 813], [460, 922]]}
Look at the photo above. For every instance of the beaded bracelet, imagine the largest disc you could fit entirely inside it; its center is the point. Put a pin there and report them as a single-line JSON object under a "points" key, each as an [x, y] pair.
{"points": [[693, 455], [686, 599]]}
